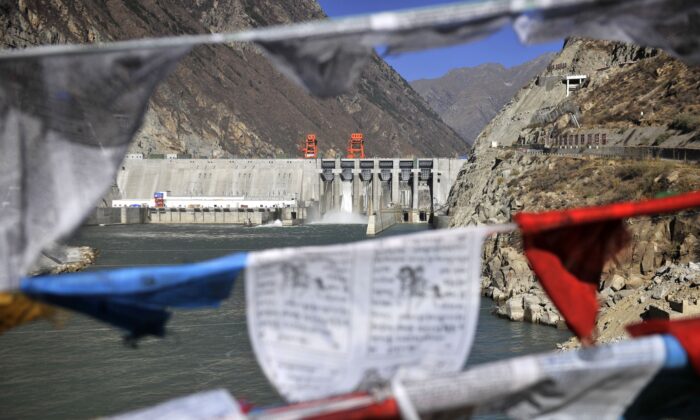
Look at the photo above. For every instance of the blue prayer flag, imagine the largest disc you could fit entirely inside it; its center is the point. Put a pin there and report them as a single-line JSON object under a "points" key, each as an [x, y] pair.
{"points": [[136, 299]]}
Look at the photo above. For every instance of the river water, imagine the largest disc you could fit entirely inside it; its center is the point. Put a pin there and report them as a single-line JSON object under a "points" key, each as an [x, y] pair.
{"points": [[83, 370]]}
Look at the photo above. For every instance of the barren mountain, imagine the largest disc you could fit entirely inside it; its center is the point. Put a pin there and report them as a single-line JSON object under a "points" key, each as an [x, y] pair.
{"points": [[227, 100], [468, 98]]}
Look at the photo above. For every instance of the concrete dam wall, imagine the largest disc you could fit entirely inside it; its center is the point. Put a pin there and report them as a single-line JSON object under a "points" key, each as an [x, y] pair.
{"points": [[364, 186]]}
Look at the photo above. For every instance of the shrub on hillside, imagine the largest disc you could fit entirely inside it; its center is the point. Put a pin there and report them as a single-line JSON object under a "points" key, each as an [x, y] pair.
{"points": [[686, 123]]}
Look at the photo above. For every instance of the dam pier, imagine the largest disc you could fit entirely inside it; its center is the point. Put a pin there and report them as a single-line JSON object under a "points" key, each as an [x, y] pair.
{"points": [[259, 191]]}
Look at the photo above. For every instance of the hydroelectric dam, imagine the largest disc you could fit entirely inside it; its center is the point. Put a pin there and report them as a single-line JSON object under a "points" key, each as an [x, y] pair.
{"points": [[257, 191]]}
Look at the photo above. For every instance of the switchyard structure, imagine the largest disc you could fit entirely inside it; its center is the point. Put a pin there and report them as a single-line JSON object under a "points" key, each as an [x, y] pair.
{"points": [[356, 146], [310, 148]]}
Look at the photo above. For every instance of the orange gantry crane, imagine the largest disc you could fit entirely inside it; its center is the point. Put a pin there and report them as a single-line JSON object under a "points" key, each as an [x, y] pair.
{"points": [[310, 149], [356, 147]]}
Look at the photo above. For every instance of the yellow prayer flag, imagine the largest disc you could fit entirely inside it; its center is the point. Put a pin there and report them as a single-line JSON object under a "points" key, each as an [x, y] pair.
{"points": [[17, 309]]}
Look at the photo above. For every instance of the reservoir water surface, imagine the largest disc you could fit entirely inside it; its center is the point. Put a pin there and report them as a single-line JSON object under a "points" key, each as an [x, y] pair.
{"points": [[83, 370]]}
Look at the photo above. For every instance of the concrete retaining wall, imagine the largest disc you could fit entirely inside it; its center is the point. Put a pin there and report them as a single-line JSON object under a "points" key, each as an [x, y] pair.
{"points": [[210, 217], [133, 215], [382, 221], [631, 152], [441, 222], [105, 216], [253, 178]]}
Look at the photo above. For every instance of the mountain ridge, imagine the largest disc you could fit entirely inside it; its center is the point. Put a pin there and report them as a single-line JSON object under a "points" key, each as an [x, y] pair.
{"points": [[227, 100], [467, 98]]}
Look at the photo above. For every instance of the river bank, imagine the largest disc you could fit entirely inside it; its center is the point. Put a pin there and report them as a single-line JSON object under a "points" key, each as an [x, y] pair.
{"points": [[496, 184], [64, 259]]}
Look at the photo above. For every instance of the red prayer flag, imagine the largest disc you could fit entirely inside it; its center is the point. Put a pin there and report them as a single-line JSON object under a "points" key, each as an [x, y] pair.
{"points": [[357, 405], [568, 249], [686, 331]]}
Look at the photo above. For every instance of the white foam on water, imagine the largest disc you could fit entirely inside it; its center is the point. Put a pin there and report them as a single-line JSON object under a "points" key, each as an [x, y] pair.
{"points": [[342, 218], [346, 198], [274, 223]]}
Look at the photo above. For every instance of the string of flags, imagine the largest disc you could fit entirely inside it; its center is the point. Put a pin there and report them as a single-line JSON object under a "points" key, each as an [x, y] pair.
{"points": [[68, 112], [135, 299], [324, 325], [567, 250], [609, 381]]}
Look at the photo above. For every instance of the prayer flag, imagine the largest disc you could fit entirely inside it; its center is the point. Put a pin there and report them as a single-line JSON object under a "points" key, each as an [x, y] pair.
{"points": [[327, 56], [17, 309], [207, 405], [568, 249], [65, 123], [334, 319], [136, 299], [686, 331], [667, 24], [601, 382]]}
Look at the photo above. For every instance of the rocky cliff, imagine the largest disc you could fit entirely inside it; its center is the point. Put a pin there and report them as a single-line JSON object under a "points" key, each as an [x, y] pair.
{"points": [[656, 276], [468, 98], [636, 96], [497, 184], [228, 100]]}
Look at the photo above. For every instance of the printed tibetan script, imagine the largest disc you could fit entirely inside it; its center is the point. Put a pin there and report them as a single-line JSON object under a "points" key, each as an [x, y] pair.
{"points": [[328, 320]]}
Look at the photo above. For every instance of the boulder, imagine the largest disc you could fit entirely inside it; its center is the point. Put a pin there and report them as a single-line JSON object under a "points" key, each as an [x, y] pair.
{"points": [[531, 300], [533, 313], [550, 318], [514, 308], [616, 282], [659, 292], [689, 244], [663, 269], [622, 294], [673, 176], [605, 295], [634, 281], [647, 264], [497, 294]]}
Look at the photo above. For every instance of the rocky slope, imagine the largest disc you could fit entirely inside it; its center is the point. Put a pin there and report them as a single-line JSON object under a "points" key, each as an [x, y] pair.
{"points": [[497, 184], [228, 100], [468, 98], [637, 96], [657, 275]]}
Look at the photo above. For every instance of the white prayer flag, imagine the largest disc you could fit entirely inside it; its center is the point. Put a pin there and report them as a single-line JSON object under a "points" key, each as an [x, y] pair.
{"points": [[333, 319], [65, 125], [595, 382], [207, 405]]}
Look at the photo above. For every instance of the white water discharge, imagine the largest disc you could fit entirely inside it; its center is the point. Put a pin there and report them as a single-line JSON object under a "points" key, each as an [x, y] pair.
{"points": [[342, 218], [274, 223], [366, 196], [345, 215], [346, 198]]}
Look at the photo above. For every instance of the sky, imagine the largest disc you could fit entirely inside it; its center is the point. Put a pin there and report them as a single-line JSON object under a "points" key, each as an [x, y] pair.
{"points": [[502, 47]]}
